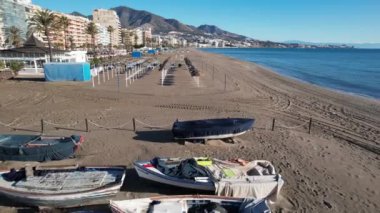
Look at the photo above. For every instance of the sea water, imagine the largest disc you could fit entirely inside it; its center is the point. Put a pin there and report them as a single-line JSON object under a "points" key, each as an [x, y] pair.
{"points": [[355, 71]]}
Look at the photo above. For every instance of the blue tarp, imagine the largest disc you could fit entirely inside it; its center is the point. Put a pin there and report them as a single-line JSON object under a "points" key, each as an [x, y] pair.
{"points": [[67, 72], [152, 52], [136, 54]]}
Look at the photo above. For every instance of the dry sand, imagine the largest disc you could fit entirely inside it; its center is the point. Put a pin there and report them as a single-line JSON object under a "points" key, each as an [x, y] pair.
{"points": [[336, 168]]}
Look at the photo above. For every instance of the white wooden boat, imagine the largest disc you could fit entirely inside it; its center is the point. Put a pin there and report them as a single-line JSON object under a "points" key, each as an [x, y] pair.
{"points": [[189, 203], [223, 177], [61, 186]]}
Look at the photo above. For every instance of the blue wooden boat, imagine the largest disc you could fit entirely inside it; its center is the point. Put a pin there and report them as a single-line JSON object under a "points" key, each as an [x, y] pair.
{"points": [[37, 147], [211, 128]]}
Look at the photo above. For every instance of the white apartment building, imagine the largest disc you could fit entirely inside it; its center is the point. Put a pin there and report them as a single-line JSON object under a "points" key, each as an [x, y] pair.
{"points": [[108, 18], [103, 36]]}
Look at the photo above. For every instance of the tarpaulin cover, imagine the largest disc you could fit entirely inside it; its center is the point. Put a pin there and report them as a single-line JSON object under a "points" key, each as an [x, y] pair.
{"points": [[186, 169], [35, 148], [67, 72], [211, 127], [136, 54], [151, 51]]}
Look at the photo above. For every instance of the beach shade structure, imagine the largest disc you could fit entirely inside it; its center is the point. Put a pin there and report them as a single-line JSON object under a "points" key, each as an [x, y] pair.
{"points": [[152, 52], [67, 72], [60, 186], [37, 148], [190, 203], [136, 54], [211, 128]]}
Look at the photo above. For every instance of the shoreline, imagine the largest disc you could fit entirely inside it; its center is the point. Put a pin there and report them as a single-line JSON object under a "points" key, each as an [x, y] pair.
{"points": [[271, 69], [336, 163]]}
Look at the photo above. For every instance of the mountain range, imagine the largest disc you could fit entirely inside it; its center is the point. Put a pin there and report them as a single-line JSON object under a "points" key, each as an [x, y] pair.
{"points": [[356, 45], [131, 18]]}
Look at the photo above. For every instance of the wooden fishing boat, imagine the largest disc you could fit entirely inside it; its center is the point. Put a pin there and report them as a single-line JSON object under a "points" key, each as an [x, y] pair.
{"points": [[211, 128], [37, 147], [190, 203], [63, 186], [257, 179]]}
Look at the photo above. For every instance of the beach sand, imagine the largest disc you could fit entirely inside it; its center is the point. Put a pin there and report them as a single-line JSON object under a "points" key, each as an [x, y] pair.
{"points": [[336, 168]]}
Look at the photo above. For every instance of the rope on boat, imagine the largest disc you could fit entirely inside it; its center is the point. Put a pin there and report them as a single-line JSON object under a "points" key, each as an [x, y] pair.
{"points": [[153, 126], [293, 127], [107, 127]]}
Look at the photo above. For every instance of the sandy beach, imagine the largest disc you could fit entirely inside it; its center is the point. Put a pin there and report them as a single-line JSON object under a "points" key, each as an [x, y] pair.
{"points": [[335, 168]]}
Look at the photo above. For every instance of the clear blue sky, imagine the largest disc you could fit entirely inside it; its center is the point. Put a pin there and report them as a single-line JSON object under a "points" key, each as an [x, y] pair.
{"points": [[348, 21]]}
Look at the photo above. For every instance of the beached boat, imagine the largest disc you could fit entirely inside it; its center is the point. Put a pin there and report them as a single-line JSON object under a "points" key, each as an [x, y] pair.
{"points": [[37, 147], [211, 128], [190, 203], [61, 186], [256, 179]]}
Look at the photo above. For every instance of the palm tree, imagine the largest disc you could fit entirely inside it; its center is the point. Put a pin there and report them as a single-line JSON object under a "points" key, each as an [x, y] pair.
{"points": [[14, 36], [44, 21], [136, 39], [124, 39], [92, 30], [72, 45], [64, 24], [110, 30]]}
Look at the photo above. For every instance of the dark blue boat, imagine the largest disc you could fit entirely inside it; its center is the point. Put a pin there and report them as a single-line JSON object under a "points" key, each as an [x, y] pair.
{"points": [[37, 148], [211, 128]]}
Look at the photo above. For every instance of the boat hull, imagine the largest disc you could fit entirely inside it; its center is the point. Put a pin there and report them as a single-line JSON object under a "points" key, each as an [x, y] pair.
{"points": [[60, 200], [211, 128], [37, 148], [183, 202]]}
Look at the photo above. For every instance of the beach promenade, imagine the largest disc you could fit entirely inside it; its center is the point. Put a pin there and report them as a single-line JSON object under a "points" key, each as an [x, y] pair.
{"points": [[325, 144]]}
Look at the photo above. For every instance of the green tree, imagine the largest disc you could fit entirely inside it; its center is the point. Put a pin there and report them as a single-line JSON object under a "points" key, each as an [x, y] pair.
{"points": [[72, 44], [110, 30], [16, 66], [92, 30], [44, 21], [13, 36], [95, 62], [123, 36], [63, 24], [2, 65]]}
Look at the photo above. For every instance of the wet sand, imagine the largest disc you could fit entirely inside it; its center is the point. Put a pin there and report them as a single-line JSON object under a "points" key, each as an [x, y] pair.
{"points": [[333, 169]]}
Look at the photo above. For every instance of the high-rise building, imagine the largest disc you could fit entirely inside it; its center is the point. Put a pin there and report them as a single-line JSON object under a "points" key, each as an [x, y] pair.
{"points": [[103, 36], [108, 18], [75, 33], [15, 13], [77, 30]]}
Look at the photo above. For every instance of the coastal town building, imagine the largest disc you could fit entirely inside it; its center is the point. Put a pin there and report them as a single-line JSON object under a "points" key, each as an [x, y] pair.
{"points": [[103, 36], [108, 18], [15, 13], [76, 33]]}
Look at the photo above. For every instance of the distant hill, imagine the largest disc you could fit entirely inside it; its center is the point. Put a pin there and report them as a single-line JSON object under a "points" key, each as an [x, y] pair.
{"points": [[136, 18], [216, 31], [75, 13], [356, 45]]}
